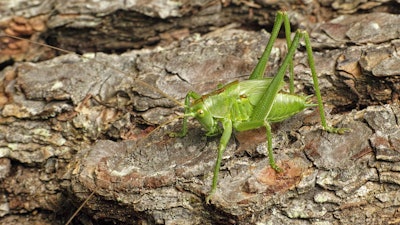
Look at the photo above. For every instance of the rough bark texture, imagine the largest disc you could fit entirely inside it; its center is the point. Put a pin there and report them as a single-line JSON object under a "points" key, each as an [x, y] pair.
{"points": [[73, 126]]}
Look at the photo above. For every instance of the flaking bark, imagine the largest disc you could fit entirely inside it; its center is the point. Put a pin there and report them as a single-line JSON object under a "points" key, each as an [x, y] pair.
{"points": [[73, 126]]}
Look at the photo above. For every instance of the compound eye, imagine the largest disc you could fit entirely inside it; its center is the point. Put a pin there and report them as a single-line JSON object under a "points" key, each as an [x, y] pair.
{"points": [[200, 112]]}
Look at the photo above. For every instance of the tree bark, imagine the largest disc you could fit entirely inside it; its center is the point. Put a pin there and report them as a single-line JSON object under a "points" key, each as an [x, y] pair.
{"points": [[76, 128]]}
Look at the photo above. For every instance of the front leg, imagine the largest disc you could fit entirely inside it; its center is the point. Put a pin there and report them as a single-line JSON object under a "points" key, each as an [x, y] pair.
{"points": [[193, 95], [226, 135]]}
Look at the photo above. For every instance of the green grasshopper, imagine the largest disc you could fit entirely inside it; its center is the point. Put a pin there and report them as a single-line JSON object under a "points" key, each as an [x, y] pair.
{"points": [[256, 102]]}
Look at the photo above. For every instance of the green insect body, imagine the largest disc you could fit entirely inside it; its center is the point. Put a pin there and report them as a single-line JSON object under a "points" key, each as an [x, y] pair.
{"points": [[254, 103], [236, 102]]}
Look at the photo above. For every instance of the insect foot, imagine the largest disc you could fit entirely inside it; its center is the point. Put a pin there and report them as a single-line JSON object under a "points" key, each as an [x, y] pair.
{"points": [[209, 196], [337, 130], [277, 168]]}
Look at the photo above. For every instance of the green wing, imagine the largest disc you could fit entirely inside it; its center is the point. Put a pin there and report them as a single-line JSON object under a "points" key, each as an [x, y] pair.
{"points": [[254, 89]]}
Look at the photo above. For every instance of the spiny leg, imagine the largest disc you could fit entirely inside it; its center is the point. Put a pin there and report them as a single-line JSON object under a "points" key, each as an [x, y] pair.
{"points": [[269, 147], [259, 70], [226, 135], [317, 90], [288, 32], [264, 105]]}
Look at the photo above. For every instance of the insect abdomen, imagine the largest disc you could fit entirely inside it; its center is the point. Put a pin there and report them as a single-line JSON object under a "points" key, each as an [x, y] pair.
{"points": [[286, 105]]}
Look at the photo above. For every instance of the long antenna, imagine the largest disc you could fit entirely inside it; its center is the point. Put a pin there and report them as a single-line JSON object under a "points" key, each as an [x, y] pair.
{"points": [[80, 208]]}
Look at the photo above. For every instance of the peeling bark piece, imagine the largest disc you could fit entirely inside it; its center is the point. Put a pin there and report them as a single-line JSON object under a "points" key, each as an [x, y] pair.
{"points": [[388, 67], [344, 182], [390, 177], [389, 197], [366, 74], [31, 142], [326, 197], [67, 78], [384, 148], [348, 63], [307, 183], [364, 28], [381, 61], [329, 151], [143, 179], [382, 119], [305, 210], [352, 6]]}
